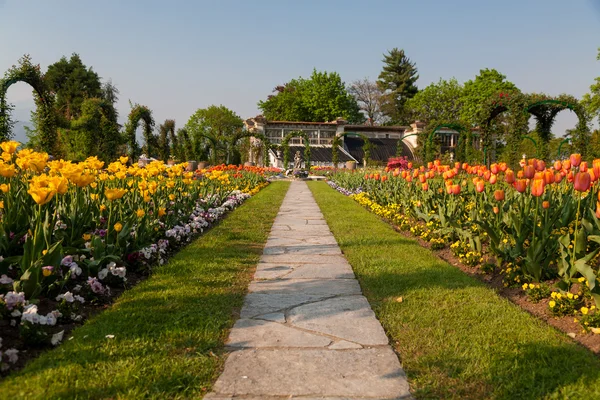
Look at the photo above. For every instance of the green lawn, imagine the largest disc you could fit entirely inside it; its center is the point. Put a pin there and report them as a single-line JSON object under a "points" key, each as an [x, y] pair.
{"points": [[169, 330], [456, 337]]}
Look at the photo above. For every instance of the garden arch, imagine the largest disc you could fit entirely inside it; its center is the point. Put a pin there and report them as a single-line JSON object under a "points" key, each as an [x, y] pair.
{"points": [[143, 113], [26, 72], [545, 110], [337, 141], [514, 104], [256, 135], [286, 148]]}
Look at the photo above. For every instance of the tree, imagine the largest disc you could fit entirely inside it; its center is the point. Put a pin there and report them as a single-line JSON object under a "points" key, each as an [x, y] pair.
{"points": [[72, 82], [591, 100], [438, 103], [477, 92], [166, 130], [397, 82], [216, 125], [370, 100], [323, 97]]}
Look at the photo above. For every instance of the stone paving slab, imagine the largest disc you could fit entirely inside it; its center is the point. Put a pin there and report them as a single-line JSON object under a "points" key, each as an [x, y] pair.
{"points": [[305, 330], [370, 373]]}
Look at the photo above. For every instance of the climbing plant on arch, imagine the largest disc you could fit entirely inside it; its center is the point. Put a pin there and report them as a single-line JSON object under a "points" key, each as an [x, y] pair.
{"points": [[545, 108], [257, 135], [26, 71], [512, 105], [143, 113], [285, 146], [337, 141]]}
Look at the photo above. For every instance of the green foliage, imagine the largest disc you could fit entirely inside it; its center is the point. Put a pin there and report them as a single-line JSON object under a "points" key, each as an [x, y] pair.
{"points": [[477, 92], [215, 126], [286, 148], [72, 82], [167, 147], [591, 100], [94, 133], [323, 97], [438, 103], [397, 81]]}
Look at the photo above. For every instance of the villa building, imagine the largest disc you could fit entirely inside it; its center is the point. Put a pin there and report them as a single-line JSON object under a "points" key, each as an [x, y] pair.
{"points": [[384, 140]]}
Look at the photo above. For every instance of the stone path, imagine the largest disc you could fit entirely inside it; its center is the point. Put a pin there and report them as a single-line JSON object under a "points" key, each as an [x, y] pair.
{"points": [[305, 330]]}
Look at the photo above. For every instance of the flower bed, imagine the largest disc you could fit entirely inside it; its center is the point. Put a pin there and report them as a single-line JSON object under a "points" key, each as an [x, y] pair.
{"points": [[530, 229], [73, 236]]}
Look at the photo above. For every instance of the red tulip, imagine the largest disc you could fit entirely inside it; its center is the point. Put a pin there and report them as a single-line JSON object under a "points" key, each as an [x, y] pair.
{"points": [[583, 167], [558, 178], [575, 159], [583, 181], [537, 187], [494, 168], [499, 195], [539, 165]]}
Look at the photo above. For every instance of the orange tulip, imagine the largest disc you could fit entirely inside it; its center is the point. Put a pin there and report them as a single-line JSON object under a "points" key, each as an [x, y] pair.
{"points": [[557, 165], [396, 172], [528, 171], [592, 175], [408, 178], [493, 179], [566, 165], [539, 165], [520, 174], [410, 165], [545, 204], [598, 209], [480, 186], [422, 178], [494, 168], [575, 159], [455, 189], [520, 185], [537, 187], [503, 166], [425, 186], [499, 195], [583, 167], [384, 178], [558, 178], [496, 210], [583, 181], [509, 176], [548, 177]]}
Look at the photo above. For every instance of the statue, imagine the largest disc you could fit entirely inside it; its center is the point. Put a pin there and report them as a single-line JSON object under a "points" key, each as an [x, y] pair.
{"points": [[297, 160]]}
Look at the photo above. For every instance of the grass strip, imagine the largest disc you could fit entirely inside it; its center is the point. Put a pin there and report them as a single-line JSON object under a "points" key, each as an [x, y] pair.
{"points": [[457, 338], [169, 330]]}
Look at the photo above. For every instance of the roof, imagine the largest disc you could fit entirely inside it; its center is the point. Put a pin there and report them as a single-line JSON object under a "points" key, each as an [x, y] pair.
{"points": [[382, 149], [320, 154], [301, 123], [375, 128]]}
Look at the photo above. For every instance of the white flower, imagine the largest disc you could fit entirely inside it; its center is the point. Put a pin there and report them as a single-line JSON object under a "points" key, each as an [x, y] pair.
{"points": [[5, 280], [57, 338], [111, 265], [102, 273], [110, 336], [12, 355], [15, 313], [75, 269], [68, 297], [42, 320], [79, 299]]}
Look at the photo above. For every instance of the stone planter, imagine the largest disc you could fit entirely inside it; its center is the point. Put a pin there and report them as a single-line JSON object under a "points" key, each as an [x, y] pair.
{"points": [[351, 164], [171, 162], [202, 164], [191, 166], [249, 164]]}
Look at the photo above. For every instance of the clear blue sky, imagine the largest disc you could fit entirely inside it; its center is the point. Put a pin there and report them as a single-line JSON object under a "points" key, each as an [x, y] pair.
{"points": [[177, 56]]}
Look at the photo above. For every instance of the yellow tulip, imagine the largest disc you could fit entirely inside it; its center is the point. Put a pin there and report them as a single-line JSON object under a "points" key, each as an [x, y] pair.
{"points": [[113, 194], [41, 195], [140, 213], [10, 147], [161, 211], [7, 170], [59, 183], [124, 159], [4, 187]]}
